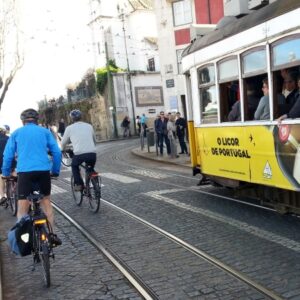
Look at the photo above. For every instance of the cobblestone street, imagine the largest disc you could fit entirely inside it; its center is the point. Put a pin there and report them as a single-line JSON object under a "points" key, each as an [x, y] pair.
{"points": [[259, 243]]}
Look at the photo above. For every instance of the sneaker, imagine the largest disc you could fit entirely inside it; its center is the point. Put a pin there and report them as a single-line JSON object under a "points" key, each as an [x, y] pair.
{"points": [[55, 240], [77, 187]]}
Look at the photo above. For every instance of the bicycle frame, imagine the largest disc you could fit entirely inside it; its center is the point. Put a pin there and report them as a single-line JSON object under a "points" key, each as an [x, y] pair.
{"points": [[91, 189]]}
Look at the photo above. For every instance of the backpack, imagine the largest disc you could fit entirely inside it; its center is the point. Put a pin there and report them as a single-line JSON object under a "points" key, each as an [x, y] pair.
{"points": [[20, 236]]}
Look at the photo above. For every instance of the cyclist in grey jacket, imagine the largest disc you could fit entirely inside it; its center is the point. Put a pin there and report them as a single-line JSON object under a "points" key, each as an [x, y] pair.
{"points": [[83, 140]]}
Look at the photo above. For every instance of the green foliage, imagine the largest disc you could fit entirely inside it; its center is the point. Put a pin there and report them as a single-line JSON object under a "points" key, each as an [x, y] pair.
{"points": [[101, 76], [52, 115]]}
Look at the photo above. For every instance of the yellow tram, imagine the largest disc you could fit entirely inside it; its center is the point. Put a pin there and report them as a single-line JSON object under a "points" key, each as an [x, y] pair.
{"points": [[227, 68]]}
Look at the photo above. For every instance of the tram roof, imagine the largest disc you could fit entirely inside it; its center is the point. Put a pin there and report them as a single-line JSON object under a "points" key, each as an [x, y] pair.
{"points": [[260, 16]]}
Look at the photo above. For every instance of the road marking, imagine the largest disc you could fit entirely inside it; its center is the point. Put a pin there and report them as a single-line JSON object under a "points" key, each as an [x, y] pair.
{"points": [[57, 190], [272, 237], [121, 178], [149, 173]]}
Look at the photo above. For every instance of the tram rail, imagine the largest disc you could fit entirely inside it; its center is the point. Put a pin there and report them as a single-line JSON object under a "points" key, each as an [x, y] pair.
{"points": [[136, 281]]}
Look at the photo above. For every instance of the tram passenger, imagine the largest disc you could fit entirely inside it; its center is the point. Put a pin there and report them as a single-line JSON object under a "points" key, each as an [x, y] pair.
{"points": [[252, 99], [295, 110], [263, 110], [235, 113]]}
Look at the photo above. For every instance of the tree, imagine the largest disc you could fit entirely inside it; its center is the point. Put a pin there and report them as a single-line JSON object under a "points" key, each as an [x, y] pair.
{"points": [[11, 59]]}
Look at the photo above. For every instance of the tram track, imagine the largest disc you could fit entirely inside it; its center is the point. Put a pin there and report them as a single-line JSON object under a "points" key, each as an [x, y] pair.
{"points": [[134, 278], [131, 276], [196, 189]]}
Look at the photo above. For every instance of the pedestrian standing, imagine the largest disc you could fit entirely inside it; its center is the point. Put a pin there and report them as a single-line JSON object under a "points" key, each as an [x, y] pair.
{"points": [[61, 127], [126, 126], [180, 130], [138, 124], [144, 123], [162, 133], [172, 136]]}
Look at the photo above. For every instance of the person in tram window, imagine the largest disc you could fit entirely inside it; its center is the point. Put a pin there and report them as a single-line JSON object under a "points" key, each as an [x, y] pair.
{"points": [[295, 110], [235, 113], [252, 99], [290, 91]]}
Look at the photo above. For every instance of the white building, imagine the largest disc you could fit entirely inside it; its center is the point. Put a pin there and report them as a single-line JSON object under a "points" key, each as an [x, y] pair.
{"points": [[131, 22]]}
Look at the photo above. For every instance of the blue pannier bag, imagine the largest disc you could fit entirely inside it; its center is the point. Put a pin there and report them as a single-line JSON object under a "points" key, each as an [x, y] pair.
{"points": [[20, 237]]}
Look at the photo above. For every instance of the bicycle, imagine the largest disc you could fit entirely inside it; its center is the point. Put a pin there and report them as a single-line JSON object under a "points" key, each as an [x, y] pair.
{"points": [[91, 188], [11, 194], [42, 249]]}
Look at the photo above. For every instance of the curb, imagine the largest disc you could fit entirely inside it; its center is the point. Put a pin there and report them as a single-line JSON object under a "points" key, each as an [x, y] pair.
{"points": [[133, 151]]}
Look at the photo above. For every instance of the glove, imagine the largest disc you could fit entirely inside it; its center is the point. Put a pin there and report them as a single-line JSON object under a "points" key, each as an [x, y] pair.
{"points": [[54, 175]]}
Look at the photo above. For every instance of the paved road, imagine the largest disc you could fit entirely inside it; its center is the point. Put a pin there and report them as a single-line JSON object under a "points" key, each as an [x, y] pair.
{"points": [[262, 244]]}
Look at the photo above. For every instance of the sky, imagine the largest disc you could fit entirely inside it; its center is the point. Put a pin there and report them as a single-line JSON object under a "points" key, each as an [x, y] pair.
{"points": [[57, 51]]}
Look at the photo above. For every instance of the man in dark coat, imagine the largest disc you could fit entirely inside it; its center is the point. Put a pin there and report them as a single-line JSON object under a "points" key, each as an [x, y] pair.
{"points": [[162, 133], [180, 131]]}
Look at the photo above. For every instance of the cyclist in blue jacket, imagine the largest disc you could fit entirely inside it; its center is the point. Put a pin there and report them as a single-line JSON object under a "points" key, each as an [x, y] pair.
{"points": [[31, 145]]}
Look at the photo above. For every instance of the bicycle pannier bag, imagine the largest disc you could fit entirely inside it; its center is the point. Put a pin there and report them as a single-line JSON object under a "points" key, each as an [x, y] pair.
{"points": [[20, 237]]}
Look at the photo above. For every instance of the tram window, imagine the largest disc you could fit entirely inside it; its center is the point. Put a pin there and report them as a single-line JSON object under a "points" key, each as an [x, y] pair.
{"points": [[286, 52], [229, 89], [209, 105], [254, 62], [252, 95], [207, 75], [230, 104], [228, 69], [286, 90], [208, 97]]}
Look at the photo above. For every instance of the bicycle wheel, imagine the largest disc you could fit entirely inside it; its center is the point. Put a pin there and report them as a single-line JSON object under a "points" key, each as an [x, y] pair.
{"points": [[45, 263], [77, 195], [12, 196], [94, 194], [66, 160]]}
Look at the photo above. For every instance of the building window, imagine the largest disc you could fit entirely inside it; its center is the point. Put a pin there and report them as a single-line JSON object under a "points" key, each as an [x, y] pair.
{"points": [[182, 12], [151, 64], [179, 65]]}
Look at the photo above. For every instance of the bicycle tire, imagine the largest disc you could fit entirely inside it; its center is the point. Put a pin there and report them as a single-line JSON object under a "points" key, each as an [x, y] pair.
{"points": [[45, 263], [12, 197], [94, 194], [77, 195], [66, 160]]}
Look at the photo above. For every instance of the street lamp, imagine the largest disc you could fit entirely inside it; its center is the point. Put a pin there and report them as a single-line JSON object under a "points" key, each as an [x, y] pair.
{"points": [[121, 15]]}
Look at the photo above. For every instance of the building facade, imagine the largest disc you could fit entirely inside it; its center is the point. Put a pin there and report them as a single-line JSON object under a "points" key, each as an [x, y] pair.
{"points": [[178, 23]]}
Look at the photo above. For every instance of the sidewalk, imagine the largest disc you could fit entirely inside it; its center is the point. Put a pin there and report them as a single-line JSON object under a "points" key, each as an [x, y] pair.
{"points": [[183, 159]]}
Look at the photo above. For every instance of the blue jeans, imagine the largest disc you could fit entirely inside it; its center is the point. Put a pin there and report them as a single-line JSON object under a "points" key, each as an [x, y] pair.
{"points": [[161, 138]]}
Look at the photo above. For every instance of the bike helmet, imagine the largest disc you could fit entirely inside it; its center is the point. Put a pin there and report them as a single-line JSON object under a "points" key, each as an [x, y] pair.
{"points": [[29, 114], [75, 114]]}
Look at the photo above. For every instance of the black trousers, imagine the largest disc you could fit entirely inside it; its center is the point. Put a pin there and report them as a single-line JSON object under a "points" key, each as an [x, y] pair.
{"points": [[182, 143], [88, 158]]}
